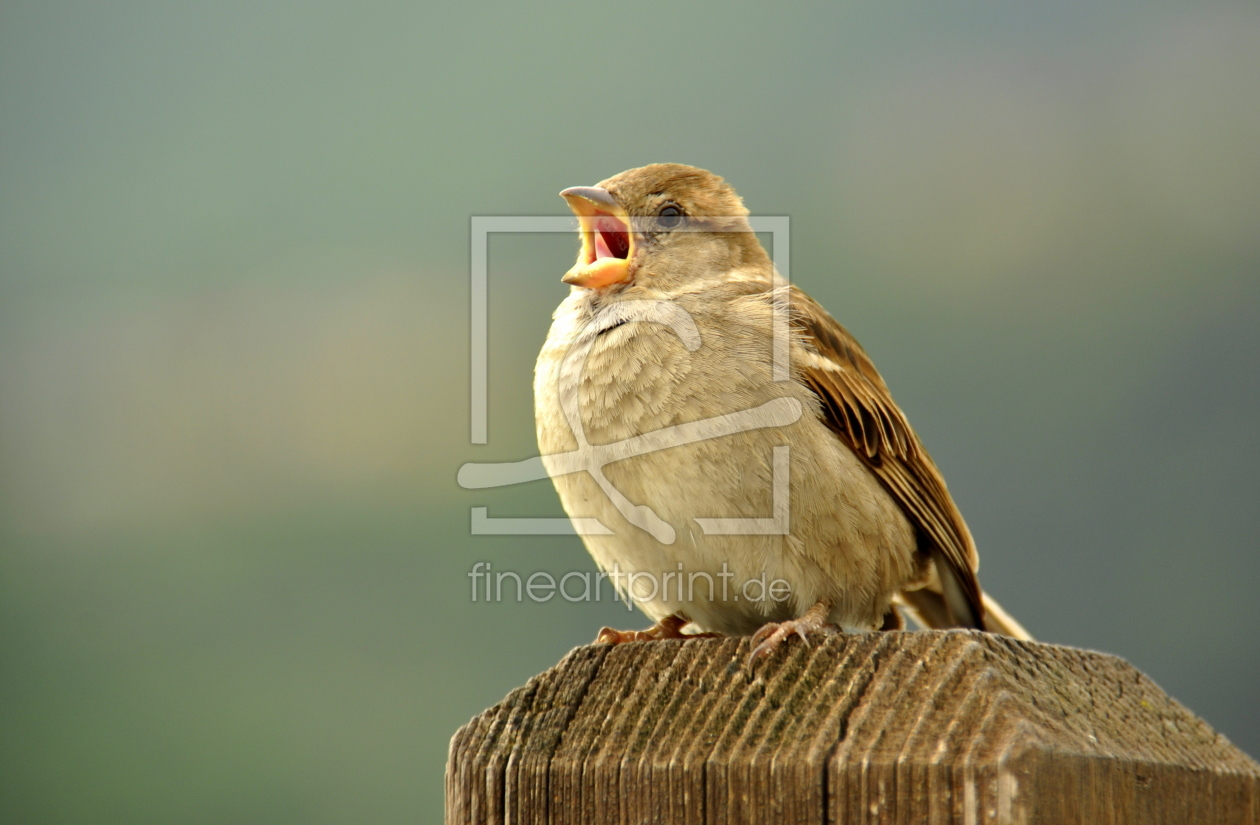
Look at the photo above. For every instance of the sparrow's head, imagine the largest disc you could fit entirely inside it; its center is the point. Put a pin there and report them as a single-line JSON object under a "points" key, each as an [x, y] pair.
{"points": [[664, 224]]}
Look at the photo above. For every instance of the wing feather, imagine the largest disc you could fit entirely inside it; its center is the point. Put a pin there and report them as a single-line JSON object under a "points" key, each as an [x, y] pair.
{"points": [[857, 406]]}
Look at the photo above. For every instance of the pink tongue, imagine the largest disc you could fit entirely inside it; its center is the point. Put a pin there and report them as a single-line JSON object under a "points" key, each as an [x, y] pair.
{"points": [[601, 247]]}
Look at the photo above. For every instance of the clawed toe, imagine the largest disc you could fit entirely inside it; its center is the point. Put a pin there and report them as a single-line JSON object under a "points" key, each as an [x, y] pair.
{"points": [[609, 636], [766, 640], [669, 627]]}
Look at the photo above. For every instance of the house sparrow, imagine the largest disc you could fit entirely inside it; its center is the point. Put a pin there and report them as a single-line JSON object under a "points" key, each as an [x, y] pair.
{"points": [[737, 487]]}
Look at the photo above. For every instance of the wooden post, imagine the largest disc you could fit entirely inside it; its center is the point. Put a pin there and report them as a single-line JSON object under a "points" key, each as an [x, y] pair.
{"points": [[930, 727]]}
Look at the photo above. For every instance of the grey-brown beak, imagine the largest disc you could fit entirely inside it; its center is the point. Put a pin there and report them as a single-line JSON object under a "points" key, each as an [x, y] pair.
{"points": [[602, 198]]}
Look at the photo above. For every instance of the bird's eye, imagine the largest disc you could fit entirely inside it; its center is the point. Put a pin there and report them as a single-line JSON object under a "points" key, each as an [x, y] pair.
{"points": [[670, 216]]}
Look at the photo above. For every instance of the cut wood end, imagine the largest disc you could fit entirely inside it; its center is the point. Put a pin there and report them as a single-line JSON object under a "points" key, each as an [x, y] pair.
{"points": [[949, 726]]}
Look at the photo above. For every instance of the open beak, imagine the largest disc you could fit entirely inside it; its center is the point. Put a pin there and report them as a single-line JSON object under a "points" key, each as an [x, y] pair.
{"points": [[607, 242]]}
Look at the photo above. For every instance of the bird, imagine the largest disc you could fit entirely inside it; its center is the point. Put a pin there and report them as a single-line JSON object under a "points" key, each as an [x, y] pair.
{"points": [[740, 462]]}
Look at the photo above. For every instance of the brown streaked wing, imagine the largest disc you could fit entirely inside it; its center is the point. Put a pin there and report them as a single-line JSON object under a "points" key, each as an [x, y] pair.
{"points": [[857, 407]]}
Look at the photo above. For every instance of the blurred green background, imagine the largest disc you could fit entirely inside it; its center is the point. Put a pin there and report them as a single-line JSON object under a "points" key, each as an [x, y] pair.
{"points": [[234, 347]]}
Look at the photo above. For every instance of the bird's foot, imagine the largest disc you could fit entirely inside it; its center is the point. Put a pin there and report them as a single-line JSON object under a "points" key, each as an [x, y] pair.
{"points": [[669, 627], [766, 640]]}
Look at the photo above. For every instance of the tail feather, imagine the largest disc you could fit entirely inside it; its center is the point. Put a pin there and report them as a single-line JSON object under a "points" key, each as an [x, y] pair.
{"points": [[928, 609], [997, 620]]}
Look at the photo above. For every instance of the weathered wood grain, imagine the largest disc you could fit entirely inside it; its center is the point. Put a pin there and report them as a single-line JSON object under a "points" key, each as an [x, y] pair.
{"points": [[927, 727]]}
